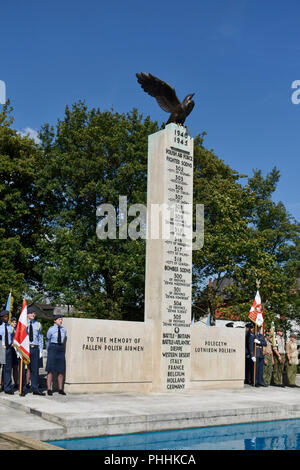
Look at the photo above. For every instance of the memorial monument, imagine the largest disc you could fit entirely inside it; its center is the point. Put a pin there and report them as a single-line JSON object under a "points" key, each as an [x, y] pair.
{"points": [[165, 353], [169, 257]]}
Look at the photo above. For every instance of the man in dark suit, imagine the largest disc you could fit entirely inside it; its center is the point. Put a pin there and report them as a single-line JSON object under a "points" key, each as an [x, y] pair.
{"points": [[256, 344], [248, 360]]}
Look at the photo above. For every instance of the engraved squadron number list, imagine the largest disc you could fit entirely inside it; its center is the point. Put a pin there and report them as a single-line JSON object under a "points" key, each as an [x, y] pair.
{"points": [[176, 344]]}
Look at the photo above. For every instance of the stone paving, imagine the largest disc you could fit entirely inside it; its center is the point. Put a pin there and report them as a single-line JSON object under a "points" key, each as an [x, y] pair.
{"points": [[8, 445], [61, 417]]}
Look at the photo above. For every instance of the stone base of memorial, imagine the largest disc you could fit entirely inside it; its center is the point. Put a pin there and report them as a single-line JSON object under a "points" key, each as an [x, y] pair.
{"points": [[217, 357], [107, 356], [116, 357]]}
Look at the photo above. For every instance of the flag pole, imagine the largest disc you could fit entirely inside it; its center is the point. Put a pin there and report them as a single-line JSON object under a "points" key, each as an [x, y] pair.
{"points": [[254, 372], [255, 333], [21, 376]]}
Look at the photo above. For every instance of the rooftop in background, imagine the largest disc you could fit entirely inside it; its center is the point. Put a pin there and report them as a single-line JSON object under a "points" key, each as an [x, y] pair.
{"points": [[46, 311]]}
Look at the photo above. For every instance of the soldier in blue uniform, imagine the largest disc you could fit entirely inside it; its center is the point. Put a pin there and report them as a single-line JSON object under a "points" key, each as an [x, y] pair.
{"points": [[36, 344], [13, 323], [2, 360], [248, 361], [56, 362], [7, 333], [259, 340]]}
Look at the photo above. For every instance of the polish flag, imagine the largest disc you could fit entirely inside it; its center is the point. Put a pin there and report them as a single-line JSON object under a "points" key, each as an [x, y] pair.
{"points": [[256, 312], [21, 338]]}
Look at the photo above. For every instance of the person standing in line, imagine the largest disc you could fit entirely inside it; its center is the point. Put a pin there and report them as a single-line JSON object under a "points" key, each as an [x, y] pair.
{"points": [[256, 352], [15, 371], [248, 361], [268, 360], [292, 360], [2, 361], [7, 333], [36, 344], [279, 359], [56, 361]]}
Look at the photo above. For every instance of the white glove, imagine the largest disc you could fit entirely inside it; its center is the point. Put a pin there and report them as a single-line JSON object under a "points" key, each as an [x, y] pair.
{"points": [[256, 341], [253, 359]]}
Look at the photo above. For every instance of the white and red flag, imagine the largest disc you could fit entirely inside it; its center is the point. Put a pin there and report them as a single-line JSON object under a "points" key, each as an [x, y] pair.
{"points": [[21, 338], [256, 311]]}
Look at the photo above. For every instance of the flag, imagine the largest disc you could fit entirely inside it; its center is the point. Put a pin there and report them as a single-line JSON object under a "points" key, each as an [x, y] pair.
{"points": [[9, 305], [208, 320], [256, 312], [193, 320], [21, 338]]}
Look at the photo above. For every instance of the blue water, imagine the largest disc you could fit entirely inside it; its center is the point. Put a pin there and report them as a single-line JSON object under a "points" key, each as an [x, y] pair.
{"points": [[272, 435]]}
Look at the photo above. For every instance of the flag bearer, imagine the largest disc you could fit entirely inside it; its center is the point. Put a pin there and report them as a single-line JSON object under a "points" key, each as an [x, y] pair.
{"points": [[256, 344], [36, 344], [6, 331], [13, 323]]}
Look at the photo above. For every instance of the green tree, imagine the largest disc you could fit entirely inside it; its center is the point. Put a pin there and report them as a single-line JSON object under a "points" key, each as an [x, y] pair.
{"points": [[48, 218], [251, 238], [92, 158], [19, 210]]}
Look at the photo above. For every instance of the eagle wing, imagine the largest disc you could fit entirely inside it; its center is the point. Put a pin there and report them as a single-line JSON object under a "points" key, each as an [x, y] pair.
{"points": [[163, 92]]}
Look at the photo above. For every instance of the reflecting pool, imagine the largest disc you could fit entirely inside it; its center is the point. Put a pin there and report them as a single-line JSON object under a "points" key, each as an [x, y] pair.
{"points": [[271, 435]]}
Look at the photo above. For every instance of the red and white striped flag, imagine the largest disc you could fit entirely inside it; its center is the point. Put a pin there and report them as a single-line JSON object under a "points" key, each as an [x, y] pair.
{"points": [[256, 312], [21, 339]]}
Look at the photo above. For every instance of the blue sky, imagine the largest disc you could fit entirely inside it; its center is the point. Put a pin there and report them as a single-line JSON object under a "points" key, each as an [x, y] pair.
{"points": [[240, 57]]}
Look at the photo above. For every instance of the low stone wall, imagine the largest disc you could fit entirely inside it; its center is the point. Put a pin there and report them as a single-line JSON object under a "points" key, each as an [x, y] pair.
{"points": [[217, 357], [107, 355], [116, 356]]}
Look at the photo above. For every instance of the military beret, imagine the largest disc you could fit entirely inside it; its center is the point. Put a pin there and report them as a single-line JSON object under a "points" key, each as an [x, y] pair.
{"points": [[249, 325], [13, 319], [4, 313], [31, 309]]}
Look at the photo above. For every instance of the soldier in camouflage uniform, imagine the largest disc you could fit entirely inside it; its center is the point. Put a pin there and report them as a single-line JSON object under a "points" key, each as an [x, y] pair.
{"points": [[279, 359], [291, 360], [268, 360]]}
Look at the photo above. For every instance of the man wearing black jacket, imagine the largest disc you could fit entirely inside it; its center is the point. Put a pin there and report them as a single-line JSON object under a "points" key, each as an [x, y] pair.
{"points": [[248, 360], [256, 344]]}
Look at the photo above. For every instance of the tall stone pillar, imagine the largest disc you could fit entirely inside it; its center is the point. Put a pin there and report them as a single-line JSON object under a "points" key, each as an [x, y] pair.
{"points": [[169, 256]]}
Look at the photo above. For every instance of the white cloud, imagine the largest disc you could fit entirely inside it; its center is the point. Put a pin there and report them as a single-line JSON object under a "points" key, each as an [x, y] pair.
{"points": [[2, 92], [31, 133]]}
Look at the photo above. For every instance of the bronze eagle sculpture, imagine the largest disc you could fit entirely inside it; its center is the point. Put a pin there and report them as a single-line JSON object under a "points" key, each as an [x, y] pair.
{"points": [[166, 97]]}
